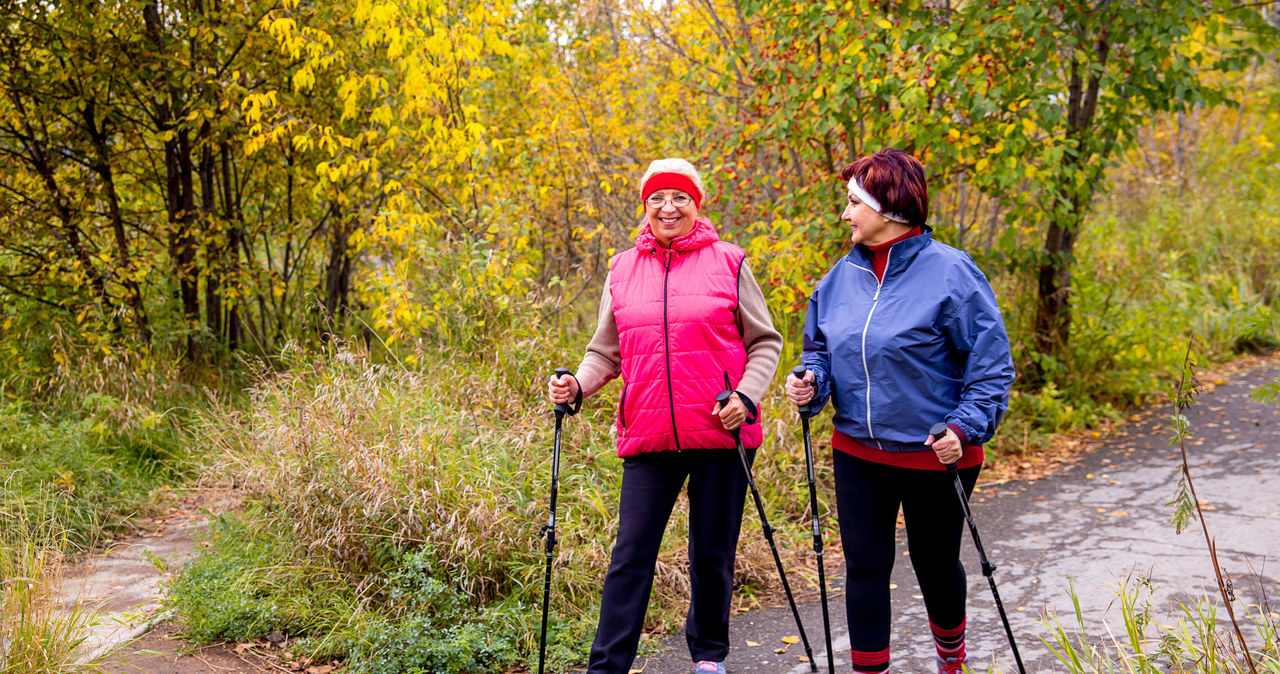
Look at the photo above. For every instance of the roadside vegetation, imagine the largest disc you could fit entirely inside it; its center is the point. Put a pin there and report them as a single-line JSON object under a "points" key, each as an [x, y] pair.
{"points": [[1196, 637], [84, 448]]}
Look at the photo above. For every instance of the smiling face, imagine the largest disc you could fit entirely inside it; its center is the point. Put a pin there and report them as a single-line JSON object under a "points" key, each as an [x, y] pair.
{"points": [[671, 213], [869, 228]]}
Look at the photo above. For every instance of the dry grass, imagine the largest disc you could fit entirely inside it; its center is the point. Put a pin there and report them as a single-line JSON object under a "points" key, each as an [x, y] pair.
{"points": [[37, 633], [363, 462]]}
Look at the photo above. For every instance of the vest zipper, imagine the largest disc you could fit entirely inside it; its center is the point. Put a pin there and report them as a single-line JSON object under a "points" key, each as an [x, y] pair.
{"points": [[666, 342]]}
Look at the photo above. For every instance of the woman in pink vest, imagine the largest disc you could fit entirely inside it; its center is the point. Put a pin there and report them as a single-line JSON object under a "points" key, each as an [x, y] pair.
{"points": [[679, 314]]}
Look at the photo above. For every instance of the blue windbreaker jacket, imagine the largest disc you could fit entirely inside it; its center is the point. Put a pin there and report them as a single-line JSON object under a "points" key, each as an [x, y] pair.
{"points": [[925, 345]]}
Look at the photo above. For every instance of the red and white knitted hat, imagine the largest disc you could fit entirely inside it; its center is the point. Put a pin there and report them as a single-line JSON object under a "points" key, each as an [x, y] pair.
{"points": [[677, 174]]}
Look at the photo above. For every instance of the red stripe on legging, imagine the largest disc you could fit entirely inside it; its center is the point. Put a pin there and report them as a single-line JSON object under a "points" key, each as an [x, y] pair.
{"points": [[945, 633], [865, 658]]}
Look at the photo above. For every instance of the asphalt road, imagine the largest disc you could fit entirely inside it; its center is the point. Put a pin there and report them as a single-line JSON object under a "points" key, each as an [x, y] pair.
{"points": [[1096, 524]]}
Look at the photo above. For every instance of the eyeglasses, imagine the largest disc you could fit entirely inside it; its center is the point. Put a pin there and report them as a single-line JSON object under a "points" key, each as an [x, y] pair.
{"points": [[679, 200]]}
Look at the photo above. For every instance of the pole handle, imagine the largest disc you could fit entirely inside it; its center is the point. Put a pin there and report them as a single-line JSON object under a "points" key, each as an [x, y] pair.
{"points": [[805, 410], [723, 398], [939, 431], [564, 409]]}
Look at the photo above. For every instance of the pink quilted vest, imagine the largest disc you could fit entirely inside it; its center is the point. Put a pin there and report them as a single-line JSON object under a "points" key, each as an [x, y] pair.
{"points": [[675, 309]]}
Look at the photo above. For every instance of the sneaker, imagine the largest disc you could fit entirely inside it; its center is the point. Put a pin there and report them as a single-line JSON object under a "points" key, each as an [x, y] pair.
{"points": [[951, 665], [709, 666]]}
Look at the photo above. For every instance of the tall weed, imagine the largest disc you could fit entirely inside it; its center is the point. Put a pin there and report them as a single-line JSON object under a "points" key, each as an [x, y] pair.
{"points": [[37, 634], [434, 477], [1195, 640]]}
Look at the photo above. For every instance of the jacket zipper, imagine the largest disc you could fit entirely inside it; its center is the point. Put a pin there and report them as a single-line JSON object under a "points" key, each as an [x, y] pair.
{"points": [[666, 342], [865, 370]]}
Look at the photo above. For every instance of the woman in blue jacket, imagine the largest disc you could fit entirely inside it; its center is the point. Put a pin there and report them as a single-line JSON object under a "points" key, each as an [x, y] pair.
{"points": [[902, 333]]}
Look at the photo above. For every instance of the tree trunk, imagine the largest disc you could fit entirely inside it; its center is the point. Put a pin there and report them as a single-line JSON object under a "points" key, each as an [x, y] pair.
{"points": [[235, 241], [179, 197], [102, 166], [1053, 317], [1052, 327], [214, 246], [337, 277]]}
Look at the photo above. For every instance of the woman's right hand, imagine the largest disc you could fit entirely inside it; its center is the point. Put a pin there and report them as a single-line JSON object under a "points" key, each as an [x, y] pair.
{"points": [[562, 389], [800, 391]]}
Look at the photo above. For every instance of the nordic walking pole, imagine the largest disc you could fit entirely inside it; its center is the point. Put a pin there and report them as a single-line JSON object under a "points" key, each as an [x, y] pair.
{"points": [[806, 411], [549, 529], [723, 399], [938, 431]]}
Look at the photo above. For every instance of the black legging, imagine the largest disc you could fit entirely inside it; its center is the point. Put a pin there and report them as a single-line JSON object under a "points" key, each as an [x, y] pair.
{"points": [[867, 498], [650, 484]]}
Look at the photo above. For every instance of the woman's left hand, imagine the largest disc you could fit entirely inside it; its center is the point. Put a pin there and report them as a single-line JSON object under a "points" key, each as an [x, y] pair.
{"points": [[948, 449], [733, 414]]}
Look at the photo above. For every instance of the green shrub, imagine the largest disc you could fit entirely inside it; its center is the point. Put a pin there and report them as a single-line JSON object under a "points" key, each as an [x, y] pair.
{"points": [[258, 581], [97, 471], [422, 645]]}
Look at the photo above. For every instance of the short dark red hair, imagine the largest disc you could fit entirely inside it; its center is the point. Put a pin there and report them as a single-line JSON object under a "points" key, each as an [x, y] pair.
{"points": [[896, 179]]}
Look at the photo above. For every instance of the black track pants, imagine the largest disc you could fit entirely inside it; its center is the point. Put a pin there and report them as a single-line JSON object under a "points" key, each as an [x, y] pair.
{"points": [[867, 499], [650, 485]]}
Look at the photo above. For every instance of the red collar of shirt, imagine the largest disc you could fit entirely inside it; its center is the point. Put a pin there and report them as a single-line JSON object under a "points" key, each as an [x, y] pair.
{"points": [[880, 252]]}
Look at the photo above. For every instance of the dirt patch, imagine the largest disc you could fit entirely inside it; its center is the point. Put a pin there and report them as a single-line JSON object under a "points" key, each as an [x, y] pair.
{"points": [[163, 651]]}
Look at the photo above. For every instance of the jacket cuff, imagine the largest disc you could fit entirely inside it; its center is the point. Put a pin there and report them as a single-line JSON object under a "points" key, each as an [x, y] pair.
{"points": [[753, 412], [821, 390], [968, 434], [577, 403]]}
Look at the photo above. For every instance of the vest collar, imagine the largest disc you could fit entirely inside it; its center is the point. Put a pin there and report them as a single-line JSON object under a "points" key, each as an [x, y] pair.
{"points": [[702, 234]]}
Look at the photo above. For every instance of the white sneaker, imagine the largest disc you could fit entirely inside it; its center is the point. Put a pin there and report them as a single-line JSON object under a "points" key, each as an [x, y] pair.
{"points": [[709, 667]]}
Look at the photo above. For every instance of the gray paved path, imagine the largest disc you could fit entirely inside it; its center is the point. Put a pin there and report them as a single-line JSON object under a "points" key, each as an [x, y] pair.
{"points": [[1096, 523]]}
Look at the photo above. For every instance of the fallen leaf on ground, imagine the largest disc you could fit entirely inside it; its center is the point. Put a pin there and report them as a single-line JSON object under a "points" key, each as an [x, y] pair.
{"points": [[790, 640], [753, 644], [780, 650]]}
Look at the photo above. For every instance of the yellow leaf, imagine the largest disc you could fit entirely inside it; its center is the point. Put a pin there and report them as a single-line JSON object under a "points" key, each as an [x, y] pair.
{"points": [[884, 23], [790, 640], [753, 644]]}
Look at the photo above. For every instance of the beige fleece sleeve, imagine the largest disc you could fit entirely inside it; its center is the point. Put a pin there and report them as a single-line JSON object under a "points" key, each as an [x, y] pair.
{"points": [[764, 344], [603, 360]]}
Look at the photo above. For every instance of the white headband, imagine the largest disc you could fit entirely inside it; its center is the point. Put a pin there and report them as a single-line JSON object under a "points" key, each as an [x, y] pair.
{"points": [[856, 188]]}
